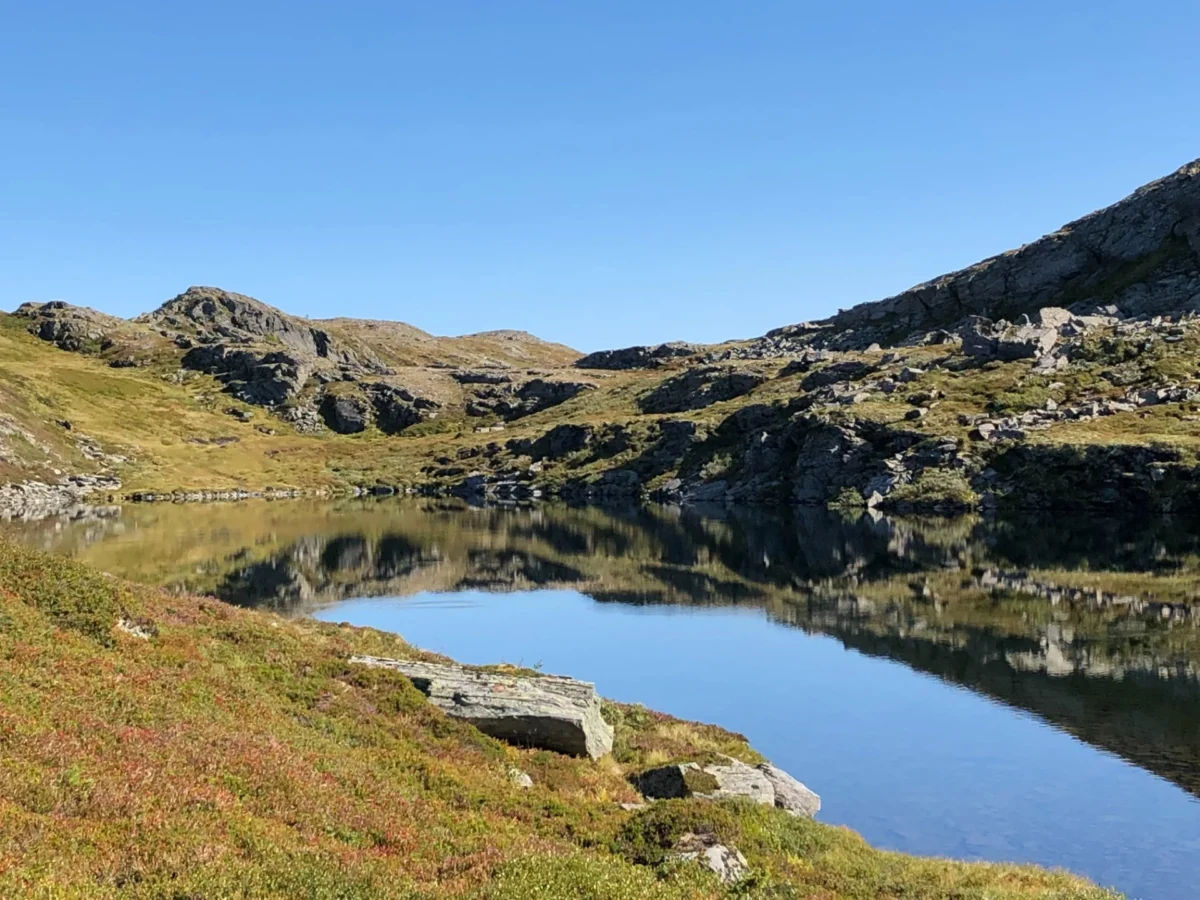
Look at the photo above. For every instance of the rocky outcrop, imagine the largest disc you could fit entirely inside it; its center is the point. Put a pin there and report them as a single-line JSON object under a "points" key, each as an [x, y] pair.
{"points": [[790, 794], [260, 378], [345, 413], [212, 315], [637, 357], [399, 408], [698, 388], [764, 783], [74, 328], [727, 863], [509, 401], [984, 339], [549, 711], [1140, 256], [37, 500], [482, 376], [837, 373], [262, 355], [559, 441]]}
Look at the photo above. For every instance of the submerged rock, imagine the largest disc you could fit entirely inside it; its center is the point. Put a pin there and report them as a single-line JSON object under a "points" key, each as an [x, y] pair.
{"points": [[547, 711]]}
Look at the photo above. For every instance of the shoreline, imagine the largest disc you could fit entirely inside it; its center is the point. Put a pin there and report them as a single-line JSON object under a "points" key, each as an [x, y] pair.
{"points": [[297, 674]]}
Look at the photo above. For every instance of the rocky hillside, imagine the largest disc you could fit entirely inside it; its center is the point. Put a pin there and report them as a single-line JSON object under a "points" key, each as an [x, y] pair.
{"points": [[1138, 257], [1061, 373]]}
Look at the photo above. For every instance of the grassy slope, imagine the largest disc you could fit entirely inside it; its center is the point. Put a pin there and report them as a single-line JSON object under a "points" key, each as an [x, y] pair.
{"points": [[140, 413], [400, 345], [236, 754], [146, 415]]}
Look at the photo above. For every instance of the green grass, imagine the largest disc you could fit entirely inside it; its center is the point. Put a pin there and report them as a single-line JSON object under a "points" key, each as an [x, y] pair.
{"points": [[935, 489], [239, 755], [167, 427]]}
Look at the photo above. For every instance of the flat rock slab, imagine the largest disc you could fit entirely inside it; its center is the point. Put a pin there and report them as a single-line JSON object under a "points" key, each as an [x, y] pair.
{"points": [[764, 783], [545, 711]]}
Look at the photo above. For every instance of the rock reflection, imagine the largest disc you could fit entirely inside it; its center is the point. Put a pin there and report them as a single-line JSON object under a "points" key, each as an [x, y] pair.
{"points": [[1091, 624]]}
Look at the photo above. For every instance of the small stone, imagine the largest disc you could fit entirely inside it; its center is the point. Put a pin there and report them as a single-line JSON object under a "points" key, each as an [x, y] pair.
{"points": [[983, 431], [134, 628], [727, 863]]}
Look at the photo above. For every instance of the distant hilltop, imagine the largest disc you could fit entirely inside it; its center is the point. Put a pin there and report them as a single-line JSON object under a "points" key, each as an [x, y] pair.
{"points": [[1062, 373]]}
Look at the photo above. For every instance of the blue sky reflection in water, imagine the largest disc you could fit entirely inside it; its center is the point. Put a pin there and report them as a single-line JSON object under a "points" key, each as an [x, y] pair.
{"points": [[911, 762]]}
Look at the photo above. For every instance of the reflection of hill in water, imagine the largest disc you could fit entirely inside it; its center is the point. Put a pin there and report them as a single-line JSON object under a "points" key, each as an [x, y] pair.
{"points": [[1118, 665]]}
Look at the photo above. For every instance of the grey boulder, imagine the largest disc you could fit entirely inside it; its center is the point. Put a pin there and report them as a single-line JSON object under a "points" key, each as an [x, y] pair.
{"points": [[545, 711], [764, 783], [791, 794], [345, 414], [727, 863]]}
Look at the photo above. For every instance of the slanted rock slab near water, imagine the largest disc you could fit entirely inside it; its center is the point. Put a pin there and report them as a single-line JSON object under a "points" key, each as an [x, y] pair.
{"points": [[764, 783], [546, 711]]}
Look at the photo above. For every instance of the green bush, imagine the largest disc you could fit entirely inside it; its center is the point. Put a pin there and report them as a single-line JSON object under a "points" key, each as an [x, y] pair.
{"points": [[648, 836], [71, 595], [935, 488]]}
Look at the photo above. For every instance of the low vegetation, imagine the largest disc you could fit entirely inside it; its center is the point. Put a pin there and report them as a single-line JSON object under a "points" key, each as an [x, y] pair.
{"points": [[235, 754]]}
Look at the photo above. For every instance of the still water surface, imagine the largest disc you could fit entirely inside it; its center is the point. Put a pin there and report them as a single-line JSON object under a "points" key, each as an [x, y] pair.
{"points": [[874, 659]]}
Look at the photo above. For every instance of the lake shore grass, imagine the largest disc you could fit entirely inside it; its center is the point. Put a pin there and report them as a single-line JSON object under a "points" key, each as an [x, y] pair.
{"points": [[236, 754]]}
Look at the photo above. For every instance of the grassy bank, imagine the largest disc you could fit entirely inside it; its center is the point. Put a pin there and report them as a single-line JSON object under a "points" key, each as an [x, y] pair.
{"points": [[237, 754], [160, 428]]}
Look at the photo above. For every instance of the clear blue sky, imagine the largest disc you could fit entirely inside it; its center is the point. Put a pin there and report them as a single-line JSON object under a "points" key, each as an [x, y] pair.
{"points": [[598, 173]]}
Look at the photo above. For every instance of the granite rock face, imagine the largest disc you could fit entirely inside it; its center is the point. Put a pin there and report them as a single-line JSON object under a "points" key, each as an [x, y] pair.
{"points": [[398, 408], [637, 357], [698, 388], [548, 711], [263, 379], [559, 441], [790, 794], [514, 401], [211, 315], [262, 355], [74, 328], [345, 414], [985, 339], [1140, 255]]}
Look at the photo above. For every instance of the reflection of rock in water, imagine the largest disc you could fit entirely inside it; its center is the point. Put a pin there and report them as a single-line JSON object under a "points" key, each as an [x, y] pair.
{"points": [[971, 601], [317, 571], [1150, 720]]}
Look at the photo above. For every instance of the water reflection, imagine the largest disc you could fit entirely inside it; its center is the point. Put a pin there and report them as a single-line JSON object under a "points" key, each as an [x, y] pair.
{"points": [[1092, 625]]}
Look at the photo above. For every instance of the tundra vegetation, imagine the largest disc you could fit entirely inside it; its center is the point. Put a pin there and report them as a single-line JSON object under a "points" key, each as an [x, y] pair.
{"points": [[169, 745]]}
